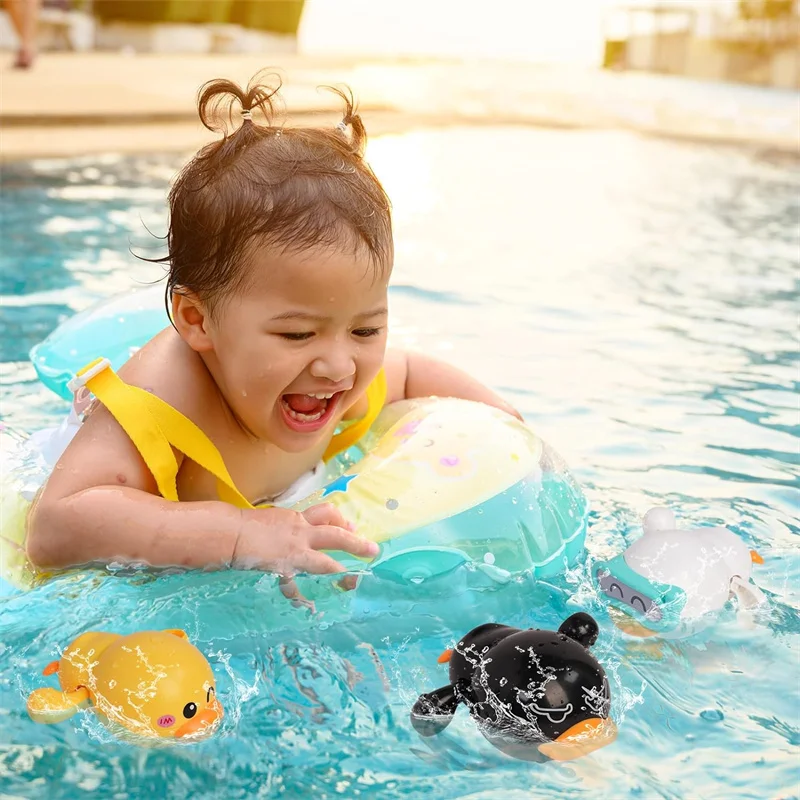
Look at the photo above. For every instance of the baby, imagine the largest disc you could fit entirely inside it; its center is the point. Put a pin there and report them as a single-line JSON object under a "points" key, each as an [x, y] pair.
{"points": [[280, 254]]}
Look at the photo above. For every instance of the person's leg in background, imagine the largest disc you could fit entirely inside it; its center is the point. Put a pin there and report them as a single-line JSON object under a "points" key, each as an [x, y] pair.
{"points": [[24, 15]]}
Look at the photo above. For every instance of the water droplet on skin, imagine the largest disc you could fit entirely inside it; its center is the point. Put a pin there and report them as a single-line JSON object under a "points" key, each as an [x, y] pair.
{"points": [[712, 715]]}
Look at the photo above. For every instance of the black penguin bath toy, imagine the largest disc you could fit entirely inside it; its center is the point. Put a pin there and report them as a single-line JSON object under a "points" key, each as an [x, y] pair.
{"points": [[536, 694]]}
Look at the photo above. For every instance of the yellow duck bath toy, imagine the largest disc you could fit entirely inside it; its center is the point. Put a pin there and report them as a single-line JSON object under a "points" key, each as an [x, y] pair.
{"points": [[153, 683]]}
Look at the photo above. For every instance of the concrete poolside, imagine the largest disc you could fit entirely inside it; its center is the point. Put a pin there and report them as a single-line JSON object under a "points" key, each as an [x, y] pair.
{"points": [[83, 103]]}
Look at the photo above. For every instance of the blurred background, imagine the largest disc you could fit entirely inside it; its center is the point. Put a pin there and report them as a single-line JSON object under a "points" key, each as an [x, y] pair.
{"points": [[751, 41], [648, 65]]}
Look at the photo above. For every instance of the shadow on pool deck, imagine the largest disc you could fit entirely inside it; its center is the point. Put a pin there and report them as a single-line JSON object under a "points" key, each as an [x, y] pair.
{"points": [[72, 104]]}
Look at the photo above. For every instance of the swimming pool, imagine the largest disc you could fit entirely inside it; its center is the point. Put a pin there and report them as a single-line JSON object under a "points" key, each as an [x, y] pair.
{"points": [[636, 298]]}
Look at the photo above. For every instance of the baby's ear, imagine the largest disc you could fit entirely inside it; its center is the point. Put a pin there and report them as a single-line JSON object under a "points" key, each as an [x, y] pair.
{"points": [[190, 317], [177, 632]]}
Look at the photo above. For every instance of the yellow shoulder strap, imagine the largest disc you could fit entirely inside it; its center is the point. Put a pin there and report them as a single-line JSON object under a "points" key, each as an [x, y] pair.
{"points": [[376, 397], [136, 420], [155, 427]]}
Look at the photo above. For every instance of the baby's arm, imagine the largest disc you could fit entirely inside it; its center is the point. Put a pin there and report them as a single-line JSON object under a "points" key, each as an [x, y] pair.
{"points": [[101, 505], [412, 374]]}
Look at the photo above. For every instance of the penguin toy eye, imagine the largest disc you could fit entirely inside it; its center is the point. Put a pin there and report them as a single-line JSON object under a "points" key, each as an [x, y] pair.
{"points": [[189, 710]]}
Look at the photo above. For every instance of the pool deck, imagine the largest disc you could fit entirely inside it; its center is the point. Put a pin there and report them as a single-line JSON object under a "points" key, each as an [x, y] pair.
{"points": [[82, 103]]}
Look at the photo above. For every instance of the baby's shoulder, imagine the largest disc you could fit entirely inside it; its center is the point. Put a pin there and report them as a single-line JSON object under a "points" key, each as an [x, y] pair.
{"points": [[171, 370]]}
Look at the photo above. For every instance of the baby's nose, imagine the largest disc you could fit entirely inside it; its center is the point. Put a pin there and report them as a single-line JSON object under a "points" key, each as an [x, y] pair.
{"points": [[336, 366]]}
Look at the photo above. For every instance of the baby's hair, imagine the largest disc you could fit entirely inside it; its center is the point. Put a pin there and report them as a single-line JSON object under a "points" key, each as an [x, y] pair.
{"points": [[289, 188]]}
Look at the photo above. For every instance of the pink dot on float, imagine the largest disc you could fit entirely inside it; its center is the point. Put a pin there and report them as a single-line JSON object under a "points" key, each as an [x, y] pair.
{"points": [[449, 461], [408, 428], [166, 721]]}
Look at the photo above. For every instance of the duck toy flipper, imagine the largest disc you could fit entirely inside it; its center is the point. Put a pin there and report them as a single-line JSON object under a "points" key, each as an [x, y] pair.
{"points": [[152, 683], [671, 582], [535, 694]]}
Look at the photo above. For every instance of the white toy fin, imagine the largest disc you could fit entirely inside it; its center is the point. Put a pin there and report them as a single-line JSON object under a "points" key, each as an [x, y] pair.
{"points": [[748, 594]]}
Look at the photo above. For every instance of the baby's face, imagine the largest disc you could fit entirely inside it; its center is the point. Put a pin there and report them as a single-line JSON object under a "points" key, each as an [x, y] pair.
{"points": [[300, 345]]}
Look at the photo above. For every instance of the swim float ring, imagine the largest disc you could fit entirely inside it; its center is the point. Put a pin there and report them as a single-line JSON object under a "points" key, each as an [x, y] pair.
{"points": [[123, 323], [438, 483]]}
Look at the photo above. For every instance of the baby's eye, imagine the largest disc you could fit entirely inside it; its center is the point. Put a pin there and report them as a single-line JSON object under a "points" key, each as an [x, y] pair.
{"points": [[296, 337], [365, 333]]}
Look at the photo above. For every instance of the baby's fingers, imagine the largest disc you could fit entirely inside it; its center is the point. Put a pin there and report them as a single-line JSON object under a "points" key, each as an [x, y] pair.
{"points": [[291, 592], [315, 563], [328, 537], [326, 514], [319, 564]]}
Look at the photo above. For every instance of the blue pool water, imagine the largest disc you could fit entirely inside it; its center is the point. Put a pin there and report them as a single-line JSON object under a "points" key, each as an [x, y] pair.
{"points": [[637, 300]]}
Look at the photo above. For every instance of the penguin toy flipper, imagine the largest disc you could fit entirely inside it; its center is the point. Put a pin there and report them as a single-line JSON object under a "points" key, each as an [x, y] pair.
{"points": [[581, 627], [433, 711]]}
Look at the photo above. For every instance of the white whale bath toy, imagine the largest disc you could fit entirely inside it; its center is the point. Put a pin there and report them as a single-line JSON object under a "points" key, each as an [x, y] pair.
{"points": [[670, 582]]}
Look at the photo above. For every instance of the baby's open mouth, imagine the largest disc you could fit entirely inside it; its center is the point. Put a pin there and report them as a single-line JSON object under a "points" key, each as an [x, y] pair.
{"points": [[305, 412]]}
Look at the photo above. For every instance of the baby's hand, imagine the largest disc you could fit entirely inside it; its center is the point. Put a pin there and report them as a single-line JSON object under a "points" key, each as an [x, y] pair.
{"points": [[284, 541]]}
